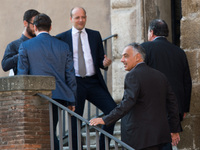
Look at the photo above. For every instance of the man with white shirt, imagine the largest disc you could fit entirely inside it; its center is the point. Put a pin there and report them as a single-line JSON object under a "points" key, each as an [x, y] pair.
{"points": [[89, 57]]}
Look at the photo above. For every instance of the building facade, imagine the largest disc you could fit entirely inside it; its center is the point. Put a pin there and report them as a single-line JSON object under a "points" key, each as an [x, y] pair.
{"points": [[129, 19]]}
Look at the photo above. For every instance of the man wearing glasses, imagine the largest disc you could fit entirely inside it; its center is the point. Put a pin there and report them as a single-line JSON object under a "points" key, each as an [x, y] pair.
{"points": [[10, 58]]}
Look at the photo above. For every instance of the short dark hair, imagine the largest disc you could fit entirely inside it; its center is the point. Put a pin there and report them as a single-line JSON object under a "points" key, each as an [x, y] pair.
{"points": [[159, 27], [74, 8], [29, 14], [138, 48], [42, 22]]}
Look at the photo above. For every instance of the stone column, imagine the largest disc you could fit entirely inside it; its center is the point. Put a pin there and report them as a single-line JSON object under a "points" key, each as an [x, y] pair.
{"points": [[126, 21], [24, 116], [190, 42], [130, 20]]}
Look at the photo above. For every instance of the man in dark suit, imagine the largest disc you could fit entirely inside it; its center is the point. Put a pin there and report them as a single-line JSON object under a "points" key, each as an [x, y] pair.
{"points": [[147, 98], [170, 60], [46, 55], [90, 82], [10, 58]]}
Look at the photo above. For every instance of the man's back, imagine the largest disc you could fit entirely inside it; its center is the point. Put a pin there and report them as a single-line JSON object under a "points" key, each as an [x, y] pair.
{"points": [[49, 56], [172, 61], [147, 98]]}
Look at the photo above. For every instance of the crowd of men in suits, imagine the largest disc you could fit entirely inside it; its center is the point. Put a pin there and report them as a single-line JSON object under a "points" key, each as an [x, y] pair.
{"points": [[154, 101]]}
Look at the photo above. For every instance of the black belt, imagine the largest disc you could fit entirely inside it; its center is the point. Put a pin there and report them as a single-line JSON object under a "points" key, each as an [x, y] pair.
{"points": [[87, 77]]}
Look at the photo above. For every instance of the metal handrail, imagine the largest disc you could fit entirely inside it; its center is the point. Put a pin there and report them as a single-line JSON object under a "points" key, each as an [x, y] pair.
{"points": [[109, 37], [79, 118]]}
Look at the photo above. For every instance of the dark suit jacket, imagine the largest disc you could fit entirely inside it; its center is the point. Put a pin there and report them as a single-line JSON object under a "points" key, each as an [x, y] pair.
{"points": [[147, 98], [10, 57], [96, 46], [46, 55], [172, 61]]}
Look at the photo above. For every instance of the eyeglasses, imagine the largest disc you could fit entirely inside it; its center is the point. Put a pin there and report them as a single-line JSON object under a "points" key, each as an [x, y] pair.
{"points": [[30, 23]]}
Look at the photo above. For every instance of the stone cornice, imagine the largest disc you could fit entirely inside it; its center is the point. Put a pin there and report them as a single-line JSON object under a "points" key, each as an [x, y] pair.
{"points": [[27, 82]]}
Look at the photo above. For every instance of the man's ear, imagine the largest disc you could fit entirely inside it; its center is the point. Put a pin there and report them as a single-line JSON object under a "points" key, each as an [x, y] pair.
{"points": [[151, 33], [50, 28], [138, 56], [25, 23], [35, 28]]}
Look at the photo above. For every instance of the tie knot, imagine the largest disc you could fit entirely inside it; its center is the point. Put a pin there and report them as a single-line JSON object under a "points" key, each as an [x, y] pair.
{"points": [[79, 31]]}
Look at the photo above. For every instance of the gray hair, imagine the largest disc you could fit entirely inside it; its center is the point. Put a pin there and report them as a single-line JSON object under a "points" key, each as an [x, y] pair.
{"points": [[138, 48]]}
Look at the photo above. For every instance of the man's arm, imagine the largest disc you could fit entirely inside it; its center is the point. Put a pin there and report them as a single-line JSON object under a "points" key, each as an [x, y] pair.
{"points": [[103, 60], [187, 87], [10, 58], [173, 111], [23, 63], [70, 73], [130, 97]]}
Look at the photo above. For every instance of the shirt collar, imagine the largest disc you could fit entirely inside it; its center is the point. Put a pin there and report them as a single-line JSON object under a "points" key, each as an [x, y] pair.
{"points": [[159, 37], [137, 65], [74, 30], [42, 32]]}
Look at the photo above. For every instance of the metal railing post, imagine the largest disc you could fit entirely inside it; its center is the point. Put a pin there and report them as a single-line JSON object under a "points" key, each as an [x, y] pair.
{"points": [[105, 49], [60, 128], [79, 134], [64, 123], [87, 137], [51, 125], [106, 143], [69, 130], [97, 140], [89, 110]]}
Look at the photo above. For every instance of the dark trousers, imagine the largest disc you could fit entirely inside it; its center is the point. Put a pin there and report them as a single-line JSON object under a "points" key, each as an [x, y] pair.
{"points": [[55, 120], [89, 88]]}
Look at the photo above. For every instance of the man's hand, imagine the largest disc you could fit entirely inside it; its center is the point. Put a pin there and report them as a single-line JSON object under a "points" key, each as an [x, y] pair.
{"points": [[106, 61], [72, 108], [96, 121], [175, 138], [184, 115]]}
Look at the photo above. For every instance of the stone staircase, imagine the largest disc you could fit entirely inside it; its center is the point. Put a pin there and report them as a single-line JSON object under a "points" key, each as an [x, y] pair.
{"points": [[117, 134]]}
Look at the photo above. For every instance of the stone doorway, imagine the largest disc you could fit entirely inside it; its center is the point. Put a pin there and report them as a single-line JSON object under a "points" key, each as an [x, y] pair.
{"points": [[176, 18]]}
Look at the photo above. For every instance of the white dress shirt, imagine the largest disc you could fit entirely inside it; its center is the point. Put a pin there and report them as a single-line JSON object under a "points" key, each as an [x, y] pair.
{"points": [[86, 51]]}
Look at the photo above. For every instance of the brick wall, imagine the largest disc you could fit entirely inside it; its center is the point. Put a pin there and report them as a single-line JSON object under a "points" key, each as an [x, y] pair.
{"points": [[24, 117]]}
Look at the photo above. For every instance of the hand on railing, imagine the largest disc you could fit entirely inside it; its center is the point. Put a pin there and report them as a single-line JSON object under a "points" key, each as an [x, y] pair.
{"points": [[72, 108], [106, 61], [96, 121]]}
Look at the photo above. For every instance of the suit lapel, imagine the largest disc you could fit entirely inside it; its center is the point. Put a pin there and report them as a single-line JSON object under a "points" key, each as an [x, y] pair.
{"points": [[69, 40], [91, 43]]}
